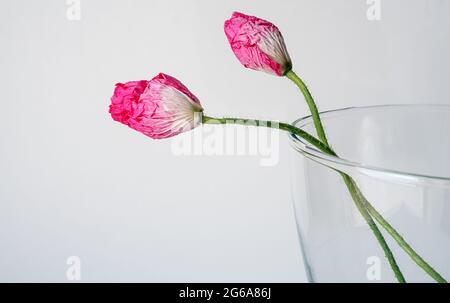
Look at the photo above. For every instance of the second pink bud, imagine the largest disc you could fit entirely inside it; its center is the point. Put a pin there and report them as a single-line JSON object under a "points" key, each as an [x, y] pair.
{"points": [[258, 44]]}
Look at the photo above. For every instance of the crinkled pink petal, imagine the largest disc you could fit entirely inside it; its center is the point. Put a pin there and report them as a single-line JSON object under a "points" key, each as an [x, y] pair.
{"points": [[257, 43], [125, 100], [175, 83], [160, 108]]}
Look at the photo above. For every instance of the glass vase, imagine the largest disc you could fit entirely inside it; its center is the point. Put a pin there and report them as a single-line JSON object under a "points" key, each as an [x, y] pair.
{"points": [[399, 156]]}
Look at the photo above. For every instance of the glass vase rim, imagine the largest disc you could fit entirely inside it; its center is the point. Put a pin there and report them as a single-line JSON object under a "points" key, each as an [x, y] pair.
{"points": [[348, 165]]}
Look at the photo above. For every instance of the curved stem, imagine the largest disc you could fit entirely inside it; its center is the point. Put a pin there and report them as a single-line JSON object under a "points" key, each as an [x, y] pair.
{"points": [[363, 210], [348, 181], [311, 104], [270, 124], [399, 239]]}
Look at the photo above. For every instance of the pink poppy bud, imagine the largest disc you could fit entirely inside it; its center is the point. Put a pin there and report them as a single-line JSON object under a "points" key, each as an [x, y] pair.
{"points": [[160, 108], [258, 44]]}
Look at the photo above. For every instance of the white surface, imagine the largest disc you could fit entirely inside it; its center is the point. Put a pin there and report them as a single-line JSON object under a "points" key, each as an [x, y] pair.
{"points": [[76, 183]]}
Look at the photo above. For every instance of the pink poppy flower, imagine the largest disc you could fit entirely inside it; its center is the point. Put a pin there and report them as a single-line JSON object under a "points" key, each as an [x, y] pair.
{"points": [[160, 108], [258, 44]]}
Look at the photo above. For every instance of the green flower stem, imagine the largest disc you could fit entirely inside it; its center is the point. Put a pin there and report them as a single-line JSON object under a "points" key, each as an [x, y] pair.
{"points": [[399, 239], [353, 188], [270, 124], [348, 181], [369, 220], [311, 104]]}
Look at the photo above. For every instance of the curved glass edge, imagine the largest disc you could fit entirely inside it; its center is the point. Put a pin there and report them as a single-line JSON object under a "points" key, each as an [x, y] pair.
{"points": [[350, 167]]}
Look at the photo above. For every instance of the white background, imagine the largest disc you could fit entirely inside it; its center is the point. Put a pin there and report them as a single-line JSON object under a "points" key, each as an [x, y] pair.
{"points": [[75, 183]]}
